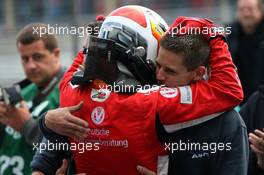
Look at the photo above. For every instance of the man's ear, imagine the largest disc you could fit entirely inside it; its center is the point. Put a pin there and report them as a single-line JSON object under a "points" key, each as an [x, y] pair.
{"points": [[199, 73], [56, 52]]}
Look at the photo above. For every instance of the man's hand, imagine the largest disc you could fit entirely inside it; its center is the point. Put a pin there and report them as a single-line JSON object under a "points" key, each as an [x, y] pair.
{"points": [[63, 169], [188, 25], [257, 141], [257, 145], [3, 112], [260, 161], [144, 171], [37, 173], [64, 123], [16, 117]]}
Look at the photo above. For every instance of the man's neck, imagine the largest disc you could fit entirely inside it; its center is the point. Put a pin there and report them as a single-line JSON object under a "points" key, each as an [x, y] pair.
{"points": [[46, 82], [249, 30]]}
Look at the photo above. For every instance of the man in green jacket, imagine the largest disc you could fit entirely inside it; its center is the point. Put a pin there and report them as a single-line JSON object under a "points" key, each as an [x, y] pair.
{"points": [[40, 58]]}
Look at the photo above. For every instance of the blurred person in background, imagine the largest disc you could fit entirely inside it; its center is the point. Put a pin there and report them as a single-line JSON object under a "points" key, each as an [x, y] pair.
{"points": [[246, 44], [40, 58], [253, 115]]}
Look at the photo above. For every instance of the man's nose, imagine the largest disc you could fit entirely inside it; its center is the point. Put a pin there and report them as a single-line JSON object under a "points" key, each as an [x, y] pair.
{"points": [[160, 74], [31, 63]]}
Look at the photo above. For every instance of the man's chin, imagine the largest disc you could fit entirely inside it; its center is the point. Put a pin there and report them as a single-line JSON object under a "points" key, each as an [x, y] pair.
{"points": [[35, 79], [160, 83], [249, 23], [169, 85]]}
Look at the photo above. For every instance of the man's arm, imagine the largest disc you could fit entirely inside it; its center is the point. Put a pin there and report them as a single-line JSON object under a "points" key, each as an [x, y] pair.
{"points": [[31, 132], [16, 117], [235, 160], [19, 118], [78, 61], [58, 123], [37, 173], [250, 112], [257, 146], [47, 161]]}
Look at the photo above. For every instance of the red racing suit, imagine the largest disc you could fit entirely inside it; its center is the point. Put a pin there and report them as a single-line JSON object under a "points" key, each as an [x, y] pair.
{"points": [[122, 126]]}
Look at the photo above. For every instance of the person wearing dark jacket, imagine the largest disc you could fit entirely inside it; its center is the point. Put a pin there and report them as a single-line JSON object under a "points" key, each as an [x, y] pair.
{"points": [[252, 113], [213, 147], [246, 44], [228, 151]]}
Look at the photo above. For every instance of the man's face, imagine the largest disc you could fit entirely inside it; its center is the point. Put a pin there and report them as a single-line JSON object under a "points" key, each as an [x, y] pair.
{"points": [[170, 70], [39, 64], [248, 12]]}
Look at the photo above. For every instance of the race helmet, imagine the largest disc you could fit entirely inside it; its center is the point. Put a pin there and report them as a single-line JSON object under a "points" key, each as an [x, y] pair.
{"points": [[138, 29], [130, 36]]}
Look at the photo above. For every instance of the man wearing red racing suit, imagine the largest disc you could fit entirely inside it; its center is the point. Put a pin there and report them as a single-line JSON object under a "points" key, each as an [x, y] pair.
{"points": [[122, 126], [122, 148]]}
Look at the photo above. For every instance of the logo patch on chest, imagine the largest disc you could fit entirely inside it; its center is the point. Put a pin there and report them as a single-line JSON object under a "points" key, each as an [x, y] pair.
{"points": [[100, 95], [98, 115]]}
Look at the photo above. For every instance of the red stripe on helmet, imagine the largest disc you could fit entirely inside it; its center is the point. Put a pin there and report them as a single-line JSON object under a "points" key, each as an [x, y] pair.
{"points": [[133, 13]]}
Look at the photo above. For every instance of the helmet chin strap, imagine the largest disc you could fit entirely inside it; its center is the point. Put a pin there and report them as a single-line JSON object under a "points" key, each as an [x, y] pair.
{"points": [[124, 69]]}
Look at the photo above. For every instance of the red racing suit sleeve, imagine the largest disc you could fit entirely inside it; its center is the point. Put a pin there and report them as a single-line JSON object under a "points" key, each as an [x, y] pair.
{"points": [[186, 106], [78, 60]]}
